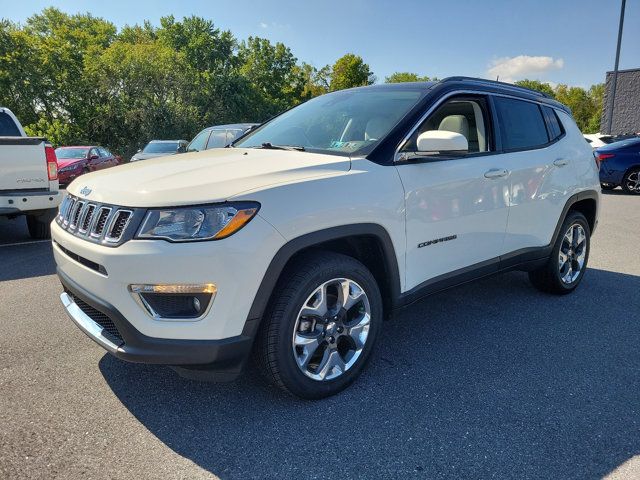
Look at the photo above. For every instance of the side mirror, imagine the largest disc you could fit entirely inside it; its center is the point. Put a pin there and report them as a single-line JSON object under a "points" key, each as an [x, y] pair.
{"points": [[93, 157], [442, 141], [139, 150]]}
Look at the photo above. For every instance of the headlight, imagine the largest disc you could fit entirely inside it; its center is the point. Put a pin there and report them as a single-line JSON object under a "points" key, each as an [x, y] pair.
{"points": [[197, 223], [68, 168]]}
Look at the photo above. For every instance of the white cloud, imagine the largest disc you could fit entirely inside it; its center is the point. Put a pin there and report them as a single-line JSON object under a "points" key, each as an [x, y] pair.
{"points": [[274, 26], [510, 69]]}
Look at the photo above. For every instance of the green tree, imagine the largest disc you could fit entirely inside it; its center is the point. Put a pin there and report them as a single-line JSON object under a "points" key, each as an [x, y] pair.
{"points": [[315, 82], [63, 44], [350, 71], [142, 92], [271, 73], [596, 95], [578, 101], [402, 77], [537, 85]]}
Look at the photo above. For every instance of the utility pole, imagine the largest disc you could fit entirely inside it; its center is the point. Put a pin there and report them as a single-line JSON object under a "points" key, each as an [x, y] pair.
{"points": [[614, 81]]}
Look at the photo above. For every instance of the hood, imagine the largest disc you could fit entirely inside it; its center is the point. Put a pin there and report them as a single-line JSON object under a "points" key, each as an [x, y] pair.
{"points": [[68, 161], [203, 177], [146, 156]]}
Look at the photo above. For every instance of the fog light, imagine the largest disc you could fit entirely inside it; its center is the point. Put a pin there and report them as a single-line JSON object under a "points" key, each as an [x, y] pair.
{"points": [[175, 302], [188, 288]]}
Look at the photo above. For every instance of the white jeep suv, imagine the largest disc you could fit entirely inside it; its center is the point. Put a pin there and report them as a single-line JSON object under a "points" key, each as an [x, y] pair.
{"points": [[294, 243]]}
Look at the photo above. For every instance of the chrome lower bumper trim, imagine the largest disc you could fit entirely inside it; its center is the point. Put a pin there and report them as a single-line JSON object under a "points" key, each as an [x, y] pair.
{"points": [[86, 324]]}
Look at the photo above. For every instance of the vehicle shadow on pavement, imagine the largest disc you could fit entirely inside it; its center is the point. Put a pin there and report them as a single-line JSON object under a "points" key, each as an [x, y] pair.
{"points": [[26, 261], [491, 379]]}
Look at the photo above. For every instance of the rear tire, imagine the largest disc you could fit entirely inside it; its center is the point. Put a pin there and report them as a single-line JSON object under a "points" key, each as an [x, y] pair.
{"points": [[568, 261], [321, 325], [39, 225], [631, 181]]}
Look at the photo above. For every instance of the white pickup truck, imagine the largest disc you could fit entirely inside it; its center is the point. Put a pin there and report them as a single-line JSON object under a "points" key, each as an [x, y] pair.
{"points": [[28, 177]]}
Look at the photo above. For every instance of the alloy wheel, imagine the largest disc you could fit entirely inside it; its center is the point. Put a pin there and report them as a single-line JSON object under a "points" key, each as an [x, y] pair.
{"points": [[331, 329], [572, 255], [633, 181]]}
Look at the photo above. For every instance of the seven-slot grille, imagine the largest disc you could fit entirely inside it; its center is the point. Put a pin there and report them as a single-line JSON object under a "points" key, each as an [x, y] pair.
{"points": [[96, 222]]}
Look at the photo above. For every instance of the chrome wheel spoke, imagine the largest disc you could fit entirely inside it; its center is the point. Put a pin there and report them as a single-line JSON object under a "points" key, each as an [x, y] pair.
{"points": [[349, 294], [331, 361], [308, 344], [317, 305], [359, 331], [562, 259]]}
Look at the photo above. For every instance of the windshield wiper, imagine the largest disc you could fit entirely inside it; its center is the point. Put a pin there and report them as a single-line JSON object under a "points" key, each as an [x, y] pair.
{"points": [[271, 146]]}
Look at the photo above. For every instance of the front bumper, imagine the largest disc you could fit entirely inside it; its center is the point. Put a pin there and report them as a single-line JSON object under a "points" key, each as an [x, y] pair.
{"points": [[224, 358]]}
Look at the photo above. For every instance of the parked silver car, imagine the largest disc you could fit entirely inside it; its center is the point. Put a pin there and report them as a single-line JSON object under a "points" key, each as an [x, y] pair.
{"points": [[219, 136], [160, 148]]}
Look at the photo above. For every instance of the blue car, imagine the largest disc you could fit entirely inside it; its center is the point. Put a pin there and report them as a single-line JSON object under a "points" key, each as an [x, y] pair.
{"points": [[620, 165]]}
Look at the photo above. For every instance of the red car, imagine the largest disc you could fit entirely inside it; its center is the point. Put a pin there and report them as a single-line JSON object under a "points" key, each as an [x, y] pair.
{"points": [[74, 161]]}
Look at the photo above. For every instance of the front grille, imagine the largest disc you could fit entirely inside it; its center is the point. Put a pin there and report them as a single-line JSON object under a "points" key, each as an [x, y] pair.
{"points": [[101, 222], [118, 225], [108, 225], [110, 330], [75, 214], [87, 216]]}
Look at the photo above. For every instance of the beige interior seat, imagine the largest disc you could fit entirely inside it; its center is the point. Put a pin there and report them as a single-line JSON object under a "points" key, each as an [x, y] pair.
{"points": [[455, 123]]}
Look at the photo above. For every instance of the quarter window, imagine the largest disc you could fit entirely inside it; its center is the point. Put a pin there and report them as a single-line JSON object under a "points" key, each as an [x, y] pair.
{"points": [[521, 124], [553, 123]]}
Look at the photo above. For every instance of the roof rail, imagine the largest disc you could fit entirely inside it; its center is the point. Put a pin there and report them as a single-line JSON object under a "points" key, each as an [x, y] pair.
{"points": [[509, 86]]}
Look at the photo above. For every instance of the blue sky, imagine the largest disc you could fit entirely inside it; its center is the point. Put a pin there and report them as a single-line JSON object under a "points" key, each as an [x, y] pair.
{"points": [[558, 41]]}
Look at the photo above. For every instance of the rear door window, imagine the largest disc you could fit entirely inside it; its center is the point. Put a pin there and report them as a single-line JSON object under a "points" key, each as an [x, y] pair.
{"points": [[521, 124], [8, 127]]}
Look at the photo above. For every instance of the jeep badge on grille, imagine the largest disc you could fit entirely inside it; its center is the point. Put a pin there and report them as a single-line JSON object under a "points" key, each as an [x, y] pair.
{"points": [[85, 191]]}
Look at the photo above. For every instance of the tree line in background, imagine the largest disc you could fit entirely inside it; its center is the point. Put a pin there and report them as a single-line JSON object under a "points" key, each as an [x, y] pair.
{"points": [[76, 79]]}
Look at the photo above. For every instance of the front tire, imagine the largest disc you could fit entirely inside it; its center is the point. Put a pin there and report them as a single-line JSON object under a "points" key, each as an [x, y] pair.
{"points": [[568, 261], [321, 325], [39, 225]]}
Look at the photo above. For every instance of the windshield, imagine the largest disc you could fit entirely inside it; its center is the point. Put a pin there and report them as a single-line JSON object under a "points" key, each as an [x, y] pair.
{"points": [[342, 122], [66, 153], [161, 147]]}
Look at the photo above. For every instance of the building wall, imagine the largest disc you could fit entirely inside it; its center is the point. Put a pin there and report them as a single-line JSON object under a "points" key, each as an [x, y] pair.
{"points": [[626, 112]]}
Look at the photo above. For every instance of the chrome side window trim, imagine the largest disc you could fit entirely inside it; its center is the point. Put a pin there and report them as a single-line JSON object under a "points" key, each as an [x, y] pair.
{"points": [[403, 156]]}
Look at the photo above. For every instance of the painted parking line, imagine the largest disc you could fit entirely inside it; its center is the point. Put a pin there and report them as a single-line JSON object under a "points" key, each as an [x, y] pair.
{"points": [[24, 243]]}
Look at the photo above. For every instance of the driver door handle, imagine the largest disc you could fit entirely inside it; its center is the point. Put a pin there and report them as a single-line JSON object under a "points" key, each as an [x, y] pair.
{"points": [[496, 173], [560, 162]]}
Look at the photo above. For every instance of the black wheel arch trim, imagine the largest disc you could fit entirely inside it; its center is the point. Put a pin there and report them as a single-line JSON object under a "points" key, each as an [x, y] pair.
{"points": [[296, 245]]}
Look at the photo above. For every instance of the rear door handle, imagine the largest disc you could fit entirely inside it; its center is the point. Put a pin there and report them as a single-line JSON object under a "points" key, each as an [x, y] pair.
{"points": [[496, 173], [560, 162]]}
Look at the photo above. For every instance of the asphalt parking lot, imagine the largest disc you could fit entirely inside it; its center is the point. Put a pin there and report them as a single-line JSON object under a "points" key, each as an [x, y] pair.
{"points": [[488, 380]]}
